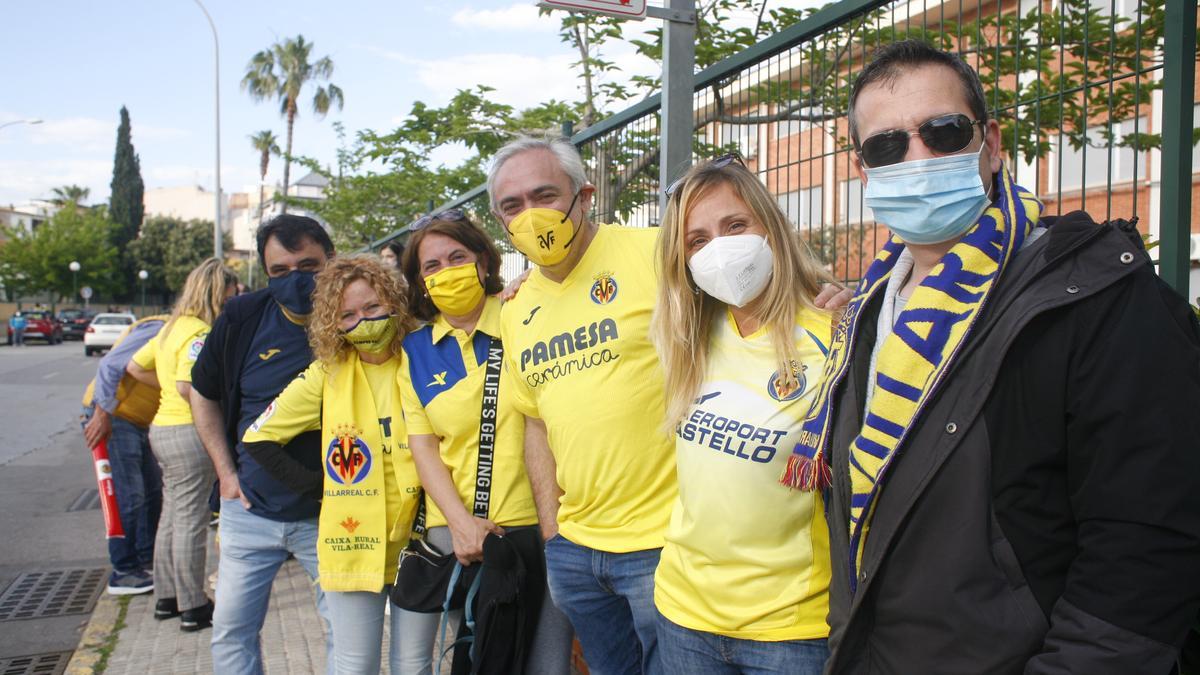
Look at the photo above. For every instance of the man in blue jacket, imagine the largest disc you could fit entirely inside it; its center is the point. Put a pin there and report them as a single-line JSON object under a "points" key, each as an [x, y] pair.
{"points": [[256, 347]]}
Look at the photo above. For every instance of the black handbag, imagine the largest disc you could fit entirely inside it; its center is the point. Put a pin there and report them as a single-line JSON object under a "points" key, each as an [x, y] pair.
{"points": [[424, 574], [423, 578]]}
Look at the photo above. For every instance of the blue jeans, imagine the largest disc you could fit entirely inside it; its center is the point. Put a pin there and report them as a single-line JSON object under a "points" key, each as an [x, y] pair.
{"points": [[609, 599], [137, 484], [252, 550], [357, 619], [694, 652]]}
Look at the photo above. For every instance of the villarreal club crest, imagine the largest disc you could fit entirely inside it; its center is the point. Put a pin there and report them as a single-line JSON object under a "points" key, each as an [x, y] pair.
{"points": [[781, 389], [347, 459], [604, 290]]}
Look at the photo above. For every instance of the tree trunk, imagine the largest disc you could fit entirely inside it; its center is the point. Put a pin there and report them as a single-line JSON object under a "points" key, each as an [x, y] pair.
{"points": [[287, 159]]}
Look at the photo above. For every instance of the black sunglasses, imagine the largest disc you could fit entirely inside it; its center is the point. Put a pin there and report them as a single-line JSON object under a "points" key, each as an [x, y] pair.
{"points": [[450, 215], [718, 163], [944, 134]]}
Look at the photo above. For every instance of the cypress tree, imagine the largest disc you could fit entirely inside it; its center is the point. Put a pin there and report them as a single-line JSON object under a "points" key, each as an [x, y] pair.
{"points": [[126, 205]]}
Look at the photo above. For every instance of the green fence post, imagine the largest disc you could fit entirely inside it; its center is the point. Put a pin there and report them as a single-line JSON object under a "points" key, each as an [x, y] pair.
{"points": [[1179, 72]]}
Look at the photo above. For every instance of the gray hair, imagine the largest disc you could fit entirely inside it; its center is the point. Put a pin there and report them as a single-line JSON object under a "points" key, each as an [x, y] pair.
{"points": [[565, 151]]}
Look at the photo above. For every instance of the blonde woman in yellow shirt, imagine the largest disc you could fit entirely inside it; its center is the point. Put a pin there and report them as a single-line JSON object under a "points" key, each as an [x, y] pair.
{"points": [[742, 583], [187, 474], [364, 475]]}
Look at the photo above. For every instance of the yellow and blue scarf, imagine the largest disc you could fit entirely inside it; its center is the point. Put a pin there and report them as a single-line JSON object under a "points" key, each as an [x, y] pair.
{"points": [[928, 335]]}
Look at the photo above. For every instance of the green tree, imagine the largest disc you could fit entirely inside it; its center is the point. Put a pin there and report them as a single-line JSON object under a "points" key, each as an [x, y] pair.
{"points": [[281, 71], [69, 194], [266, 144], [126, 202], [38, 261], [389, 179], [169, 248]]}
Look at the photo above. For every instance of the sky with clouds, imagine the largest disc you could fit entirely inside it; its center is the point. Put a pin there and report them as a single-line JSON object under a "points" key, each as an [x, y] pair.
{"points": [[74, 63]]}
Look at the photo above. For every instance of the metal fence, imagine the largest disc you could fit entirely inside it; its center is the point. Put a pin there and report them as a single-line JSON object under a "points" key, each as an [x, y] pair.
{"points": [[1095, 99]]}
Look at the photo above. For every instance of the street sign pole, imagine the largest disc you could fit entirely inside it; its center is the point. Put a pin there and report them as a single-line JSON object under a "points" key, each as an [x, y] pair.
{"points": [[676, 119], [678, 79]]}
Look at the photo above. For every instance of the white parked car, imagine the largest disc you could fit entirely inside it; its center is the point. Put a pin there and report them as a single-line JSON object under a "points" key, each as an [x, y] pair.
{"points": [[104, 330]]}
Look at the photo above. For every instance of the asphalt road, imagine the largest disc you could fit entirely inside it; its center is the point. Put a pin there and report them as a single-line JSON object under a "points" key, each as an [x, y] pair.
{"points": [[44, 468]]}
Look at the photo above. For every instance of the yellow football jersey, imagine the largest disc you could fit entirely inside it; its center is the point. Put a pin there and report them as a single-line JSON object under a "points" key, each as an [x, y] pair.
{"points": [[745, 556], [441, 385], [172, 360], [299, 408], [578, 356]]}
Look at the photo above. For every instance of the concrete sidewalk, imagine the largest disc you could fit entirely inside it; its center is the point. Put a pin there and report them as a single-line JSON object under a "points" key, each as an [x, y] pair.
{"points": [[292, 637]]}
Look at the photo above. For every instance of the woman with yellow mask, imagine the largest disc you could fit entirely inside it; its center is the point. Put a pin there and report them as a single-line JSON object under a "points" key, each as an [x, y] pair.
{"points": [[742, 584], [464, 433], [365, 476]]}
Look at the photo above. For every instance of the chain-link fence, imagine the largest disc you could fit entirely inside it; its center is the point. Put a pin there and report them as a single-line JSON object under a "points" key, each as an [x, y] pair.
{"points": [[1077, 87]]}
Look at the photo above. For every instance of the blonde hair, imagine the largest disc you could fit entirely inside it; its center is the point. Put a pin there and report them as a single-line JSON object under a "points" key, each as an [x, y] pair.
{"points": [[325, 335], [203, 294], [683, 315]]}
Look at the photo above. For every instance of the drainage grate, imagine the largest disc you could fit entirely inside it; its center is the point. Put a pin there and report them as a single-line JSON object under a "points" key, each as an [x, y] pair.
{"points": [[36, 595], [37, 664], [87, 500]]}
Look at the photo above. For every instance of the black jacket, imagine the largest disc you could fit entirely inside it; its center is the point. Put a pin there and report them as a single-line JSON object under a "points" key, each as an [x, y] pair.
{"points": [[218, 371], [1044, 515]]}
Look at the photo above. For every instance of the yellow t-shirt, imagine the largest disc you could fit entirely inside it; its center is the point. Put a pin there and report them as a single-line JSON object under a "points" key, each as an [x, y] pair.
{"points": [[441, 386], [172, 360], [745, 556], [298, 409], [578, 356]]}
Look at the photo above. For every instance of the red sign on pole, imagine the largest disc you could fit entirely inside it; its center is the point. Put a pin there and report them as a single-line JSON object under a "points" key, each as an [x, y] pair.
{"points": [[625, 9]]}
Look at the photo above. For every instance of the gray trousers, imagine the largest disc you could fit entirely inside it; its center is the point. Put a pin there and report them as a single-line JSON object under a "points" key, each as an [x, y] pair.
{"points": [[549, 654], [179, 547]]}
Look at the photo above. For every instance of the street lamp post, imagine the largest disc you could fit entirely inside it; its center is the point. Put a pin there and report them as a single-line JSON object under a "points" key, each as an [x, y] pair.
{"points": [[30, 122], [74, 267], [217, 252], [142, 276]]}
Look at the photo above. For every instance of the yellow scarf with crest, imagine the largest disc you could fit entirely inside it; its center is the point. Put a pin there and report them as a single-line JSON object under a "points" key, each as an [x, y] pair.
{"points": [[354, 529]]}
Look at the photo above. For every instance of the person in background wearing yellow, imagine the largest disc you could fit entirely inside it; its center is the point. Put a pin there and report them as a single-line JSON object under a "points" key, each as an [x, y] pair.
{"points": [[187, 474], [453, 274], [742, 585], [364, 476]]}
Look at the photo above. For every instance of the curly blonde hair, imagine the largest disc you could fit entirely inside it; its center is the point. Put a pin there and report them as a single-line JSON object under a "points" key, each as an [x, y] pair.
{"points": [[325, 335]]}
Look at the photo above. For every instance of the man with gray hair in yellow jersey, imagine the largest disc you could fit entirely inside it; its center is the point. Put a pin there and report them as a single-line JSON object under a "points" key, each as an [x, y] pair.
{"points": [[579, 364]]}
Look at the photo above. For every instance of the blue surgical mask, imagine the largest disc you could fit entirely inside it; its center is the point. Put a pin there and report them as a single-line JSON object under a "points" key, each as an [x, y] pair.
{"points": [[928, 201], [294, 291]]}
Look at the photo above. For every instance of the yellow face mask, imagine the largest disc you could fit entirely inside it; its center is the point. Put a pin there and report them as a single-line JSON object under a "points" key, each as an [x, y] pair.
{"points": [[372, 335], [455, 290], [544, 235]]}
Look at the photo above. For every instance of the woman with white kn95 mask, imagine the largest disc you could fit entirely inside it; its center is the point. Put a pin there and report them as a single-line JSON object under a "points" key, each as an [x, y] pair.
{"points": [[739, 588]]}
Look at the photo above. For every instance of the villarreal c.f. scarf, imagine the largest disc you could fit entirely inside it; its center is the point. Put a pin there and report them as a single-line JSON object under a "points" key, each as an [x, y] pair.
{"points": [[913, 359]]}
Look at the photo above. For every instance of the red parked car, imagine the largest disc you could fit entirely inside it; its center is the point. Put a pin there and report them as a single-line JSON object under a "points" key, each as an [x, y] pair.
{"points": [[42, 325]]}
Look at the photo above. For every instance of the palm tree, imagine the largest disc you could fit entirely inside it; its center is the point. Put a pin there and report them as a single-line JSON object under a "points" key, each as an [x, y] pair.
{"points": [[73, 194], [281, 71], [266, 144]]}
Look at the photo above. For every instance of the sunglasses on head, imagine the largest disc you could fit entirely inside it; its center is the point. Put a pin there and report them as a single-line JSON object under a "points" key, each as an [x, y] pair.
{"points": [[450, 215], [718, 163], [944, 134]]}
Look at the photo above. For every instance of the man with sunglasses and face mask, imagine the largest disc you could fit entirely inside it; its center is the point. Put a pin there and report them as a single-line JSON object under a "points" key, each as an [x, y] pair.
{"points": [[1005, 429], [257, 346]]}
